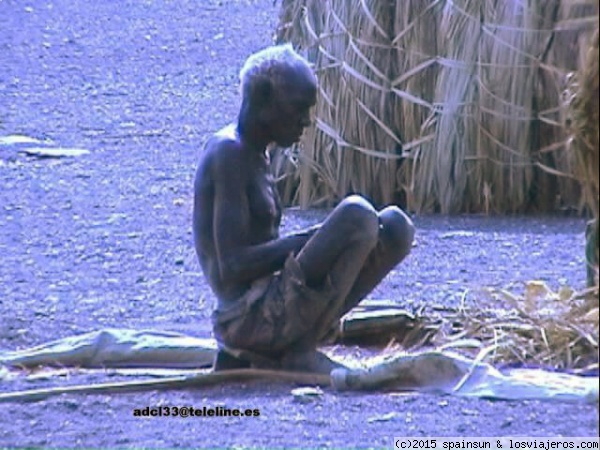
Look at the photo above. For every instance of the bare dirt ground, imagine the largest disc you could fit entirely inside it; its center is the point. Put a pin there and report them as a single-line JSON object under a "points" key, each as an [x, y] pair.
{"points": [[104, 240]]}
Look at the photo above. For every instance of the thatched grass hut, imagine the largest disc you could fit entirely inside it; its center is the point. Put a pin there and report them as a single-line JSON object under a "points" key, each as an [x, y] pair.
{"points": [[583, 124], [438, 105]]}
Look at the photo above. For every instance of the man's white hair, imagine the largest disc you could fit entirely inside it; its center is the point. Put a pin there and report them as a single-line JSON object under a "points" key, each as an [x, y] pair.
{"points": [[267, 64]]}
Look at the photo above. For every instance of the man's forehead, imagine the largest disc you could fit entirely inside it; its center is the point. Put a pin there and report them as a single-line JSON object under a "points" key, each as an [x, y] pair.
{"points": [[299, 76]]}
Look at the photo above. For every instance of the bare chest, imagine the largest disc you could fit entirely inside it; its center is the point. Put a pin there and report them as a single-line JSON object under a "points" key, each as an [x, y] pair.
{"points": [[264, 206]]}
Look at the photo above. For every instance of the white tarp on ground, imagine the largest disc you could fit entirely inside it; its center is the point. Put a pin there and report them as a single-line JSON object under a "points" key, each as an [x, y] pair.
{"points": [[432, 371], [450, 373], [117, 348]]}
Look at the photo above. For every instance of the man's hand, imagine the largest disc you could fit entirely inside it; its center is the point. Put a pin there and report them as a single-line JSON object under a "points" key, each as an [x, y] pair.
{"points": [[303, 236], [311, 231]]}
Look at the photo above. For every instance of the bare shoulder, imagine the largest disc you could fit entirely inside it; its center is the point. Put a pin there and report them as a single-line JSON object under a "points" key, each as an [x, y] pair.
{"points": [[221, 154]]}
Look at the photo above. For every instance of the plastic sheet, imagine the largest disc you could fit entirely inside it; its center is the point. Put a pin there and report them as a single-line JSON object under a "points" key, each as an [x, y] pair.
{"points": [[442, 372], [118, 348]]}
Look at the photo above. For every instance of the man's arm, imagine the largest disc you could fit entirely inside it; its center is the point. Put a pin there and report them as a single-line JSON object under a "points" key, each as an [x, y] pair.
{"points": [[306, 233], [238, 260]]}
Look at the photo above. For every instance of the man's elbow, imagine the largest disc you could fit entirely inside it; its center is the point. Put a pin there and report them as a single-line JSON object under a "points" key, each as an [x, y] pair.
{"points": [[230, 271]]}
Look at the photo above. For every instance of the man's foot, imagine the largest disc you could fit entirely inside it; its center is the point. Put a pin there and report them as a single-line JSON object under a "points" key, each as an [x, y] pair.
{"points": [[226, 361], [312, 361]]}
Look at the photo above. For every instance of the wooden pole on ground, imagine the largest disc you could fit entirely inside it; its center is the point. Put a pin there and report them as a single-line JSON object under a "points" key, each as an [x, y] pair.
{"points": [[177, 382]]}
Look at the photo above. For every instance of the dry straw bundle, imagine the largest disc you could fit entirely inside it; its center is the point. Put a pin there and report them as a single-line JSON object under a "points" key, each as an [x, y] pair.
{"points": [[540, 327], [356, 144], [583, 124], [442, 105]]}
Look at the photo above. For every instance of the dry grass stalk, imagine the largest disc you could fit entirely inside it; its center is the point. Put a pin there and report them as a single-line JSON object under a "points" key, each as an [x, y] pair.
{"points": [[583, 124], [440, 175], [509, 133], [583, 103], [541, 327]]}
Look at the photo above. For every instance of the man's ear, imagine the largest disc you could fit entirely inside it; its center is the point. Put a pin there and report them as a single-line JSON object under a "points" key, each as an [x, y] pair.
{"points": [[262, 92]]}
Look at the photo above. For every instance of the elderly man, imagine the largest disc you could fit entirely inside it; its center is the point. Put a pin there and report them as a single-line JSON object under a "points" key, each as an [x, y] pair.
{"points": [[279, 296]]}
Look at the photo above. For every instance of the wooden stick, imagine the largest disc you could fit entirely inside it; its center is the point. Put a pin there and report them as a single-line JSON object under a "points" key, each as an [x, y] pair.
{"points": [[176, 382]]}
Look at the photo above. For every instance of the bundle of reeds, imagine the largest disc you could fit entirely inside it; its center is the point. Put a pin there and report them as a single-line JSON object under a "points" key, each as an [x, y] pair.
{"points": [[490, 132], [583, 124], [439, 105], [539, 327], [365, 112], [440, 174]]}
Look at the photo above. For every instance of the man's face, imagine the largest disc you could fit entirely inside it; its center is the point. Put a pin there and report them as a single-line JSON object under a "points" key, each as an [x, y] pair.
{"points": [[292, 105]]}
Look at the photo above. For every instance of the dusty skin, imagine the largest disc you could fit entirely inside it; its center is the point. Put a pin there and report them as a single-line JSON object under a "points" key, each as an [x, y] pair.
{"points": [[105, 239]]}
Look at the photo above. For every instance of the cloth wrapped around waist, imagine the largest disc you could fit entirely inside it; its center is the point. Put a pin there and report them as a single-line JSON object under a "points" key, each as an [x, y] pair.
{"points": [[241, 306], [275, 312]]}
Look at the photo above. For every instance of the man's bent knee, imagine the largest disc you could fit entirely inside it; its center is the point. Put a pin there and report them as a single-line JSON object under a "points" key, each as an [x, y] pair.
{"points": [[359, 216], [397, 230]]}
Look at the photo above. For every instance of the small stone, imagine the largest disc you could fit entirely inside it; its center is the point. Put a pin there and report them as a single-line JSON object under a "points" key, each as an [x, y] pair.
{"points": [[48, 152], [383, 418], [507, 422], [307, 394]]}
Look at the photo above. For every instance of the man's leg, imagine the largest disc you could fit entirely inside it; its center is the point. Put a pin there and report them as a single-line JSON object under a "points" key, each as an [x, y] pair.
{"points": [[343, 248], [396, 236], [334, 256], [395, 239], [354, 250], [339, 248]]}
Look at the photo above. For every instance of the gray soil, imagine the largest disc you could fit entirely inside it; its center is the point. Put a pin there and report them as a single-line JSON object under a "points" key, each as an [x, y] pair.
{"points": [[104, 240]]}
